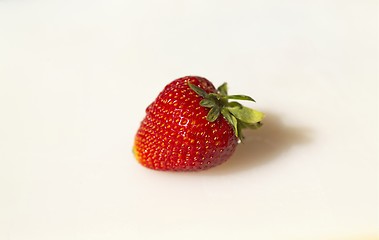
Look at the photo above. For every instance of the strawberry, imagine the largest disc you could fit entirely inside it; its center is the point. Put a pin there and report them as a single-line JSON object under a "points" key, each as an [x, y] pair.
{"points": [[192, 126]]}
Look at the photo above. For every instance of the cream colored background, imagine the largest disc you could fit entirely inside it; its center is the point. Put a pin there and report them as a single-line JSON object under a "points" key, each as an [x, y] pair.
{"points": [[76, 76]]}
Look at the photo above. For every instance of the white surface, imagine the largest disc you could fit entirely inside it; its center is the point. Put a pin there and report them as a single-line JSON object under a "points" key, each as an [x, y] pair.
{"points": [[76, 76]]}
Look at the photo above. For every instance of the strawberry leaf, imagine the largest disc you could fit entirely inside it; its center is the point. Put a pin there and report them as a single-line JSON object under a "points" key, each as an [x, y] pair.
{"points": [[198, 90], [251, 126], [213, 113], [234, 104], [240, 97], [214, 96], [231, 120], [247, 115], [223, 89], [207, 103], [239, 130]]}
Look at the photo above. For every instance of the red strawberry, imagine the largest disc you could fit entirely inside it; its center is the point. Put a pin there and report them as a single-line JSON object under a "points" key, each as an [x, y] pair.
{"points": [[192, 126]]}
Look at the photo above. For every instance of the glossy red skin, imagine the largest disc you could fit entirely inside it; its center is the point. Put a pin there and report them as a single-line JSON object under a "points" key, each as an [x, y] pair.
{"points": [[175, 134]]}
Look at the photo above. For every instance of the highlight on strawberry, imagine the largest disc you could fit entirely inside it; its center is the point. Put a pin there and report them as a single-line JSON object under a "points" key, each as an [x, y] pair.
{"points": [[192, 126]]}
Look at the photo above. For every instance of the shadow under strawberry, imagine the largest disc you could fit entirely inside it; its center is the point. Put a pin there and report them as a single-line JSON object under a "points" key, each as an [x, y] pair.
{"points": [[263, 146]]}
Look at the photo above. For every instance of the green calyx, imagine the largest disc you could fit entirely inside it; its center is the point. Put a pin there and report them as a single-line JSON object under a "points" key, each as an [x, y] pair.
{"points": [[237, 115]]}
